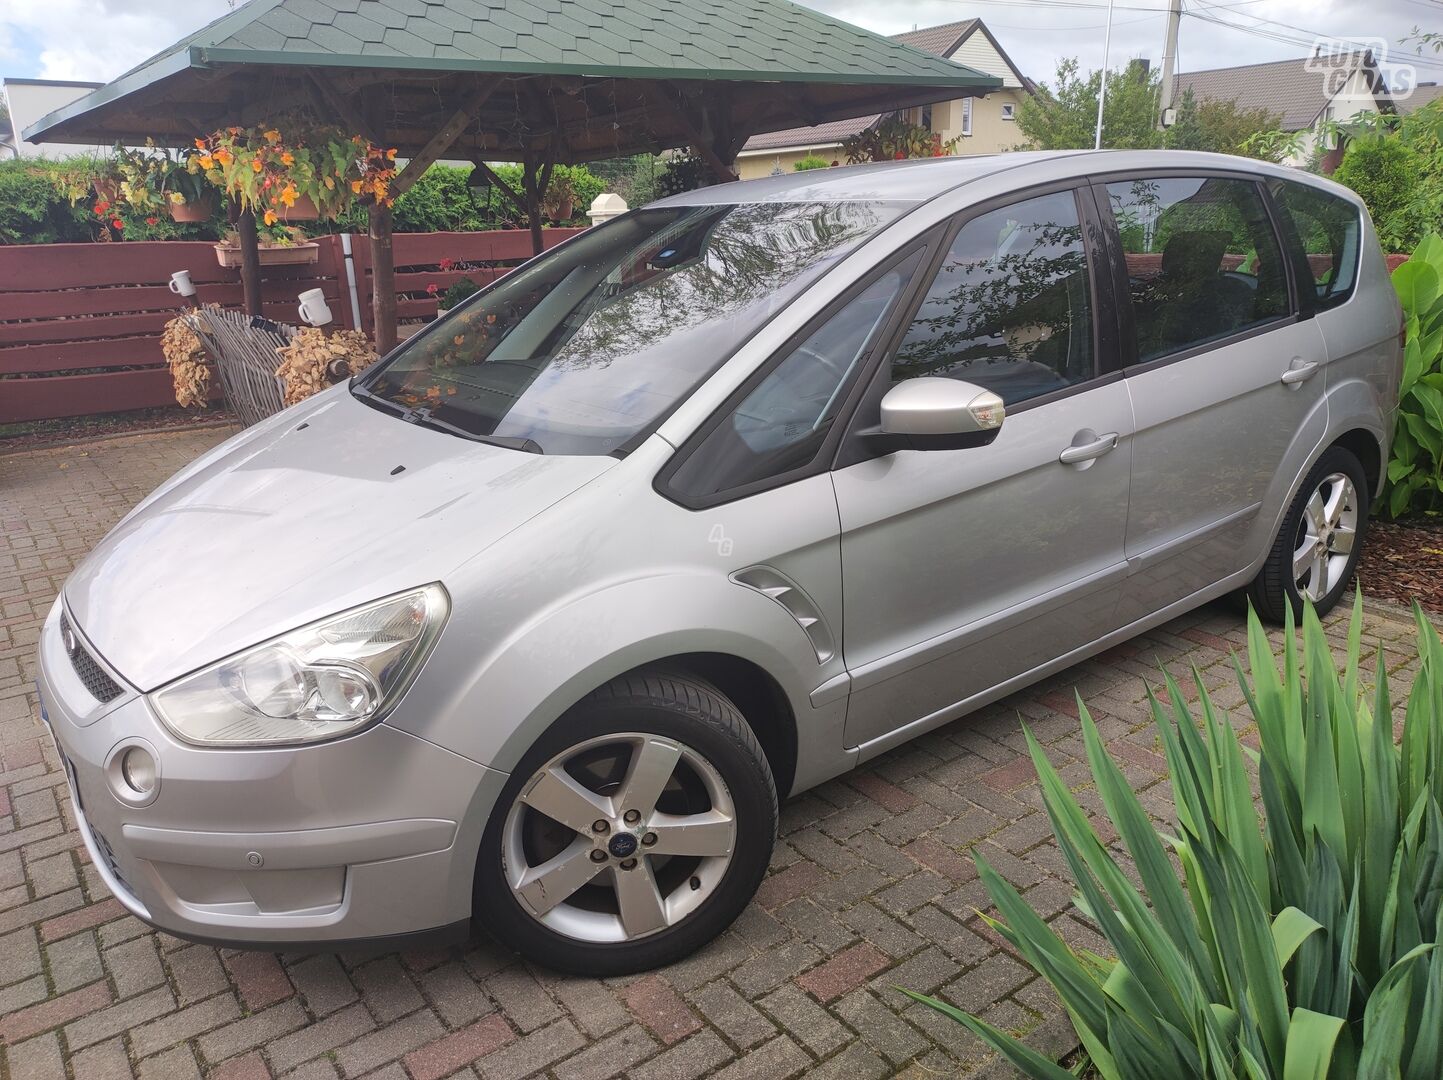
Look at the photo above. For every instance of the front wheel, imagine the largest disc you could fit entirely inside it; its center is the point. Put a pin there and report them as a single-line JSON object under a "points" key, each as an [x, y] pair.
{"points": [[1318, 545], [633, 833]]}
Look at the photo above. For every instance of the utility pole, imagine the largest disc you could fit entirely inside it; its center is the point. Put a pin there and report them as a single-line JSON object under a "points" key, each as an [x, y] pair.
{"points": [[1102, 77], [1165, 114]]}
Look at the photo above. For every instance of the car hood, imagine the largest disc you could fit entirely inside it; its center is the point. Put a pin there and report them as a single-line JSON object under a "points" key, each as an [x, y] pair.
{"points": [[328, 505]]}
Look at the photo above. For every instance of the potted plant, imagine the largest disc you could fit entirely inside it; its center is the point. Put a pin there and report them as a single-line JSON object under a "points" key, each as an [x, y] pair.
{"points": [[153, 177], [280, 245], [294, 170], [560, 201]]}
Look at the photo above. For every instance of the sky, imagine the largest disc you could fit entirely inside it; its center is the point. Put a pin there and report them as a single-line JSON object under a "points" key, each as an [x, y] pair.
{"points": [[96, 40]]}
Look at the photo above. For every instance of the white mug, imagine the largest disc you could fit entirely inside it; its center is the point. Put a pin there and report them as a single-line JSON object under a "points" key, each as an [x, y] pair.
{"points": [[314, 310], [180, 283]]}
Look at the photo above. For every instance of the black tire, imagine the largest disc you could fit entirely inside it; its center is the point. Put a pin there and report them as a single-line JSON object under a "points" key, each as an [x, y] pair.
{"points": [[1274, 587], [679, 707]]}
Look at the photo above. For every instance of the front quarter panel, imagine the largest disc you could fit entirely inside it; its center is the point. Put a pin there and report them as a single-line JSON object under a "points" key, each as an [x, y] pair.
{"points": [[617, 577]]}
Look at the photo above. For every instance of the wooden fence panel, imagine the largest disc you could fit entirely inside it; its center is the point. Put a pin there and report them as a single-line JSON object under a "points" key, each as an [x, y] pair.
{"points": [[80, 324]]}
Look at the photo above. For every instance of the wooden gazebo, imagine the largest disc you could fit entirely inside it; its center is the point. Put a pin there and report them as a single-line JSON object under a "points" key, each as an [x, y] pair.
{"points": [[540, 82]]}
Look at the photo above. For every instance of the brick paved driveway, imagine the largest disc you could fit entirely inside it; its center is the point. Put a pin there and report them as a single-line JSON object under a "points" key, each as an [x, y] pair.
{"points": [[871, 888]]}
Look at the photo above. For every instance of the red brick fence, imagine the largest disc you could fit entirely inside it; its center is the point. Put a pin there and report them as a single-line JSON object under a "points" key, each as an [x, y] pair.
{"points": [[80, 323]]}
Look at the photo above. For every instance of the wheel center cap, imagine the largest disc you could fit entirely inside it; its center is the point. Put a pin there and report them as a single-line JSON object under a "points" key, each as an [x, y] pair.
{"points": [[622, 845]]}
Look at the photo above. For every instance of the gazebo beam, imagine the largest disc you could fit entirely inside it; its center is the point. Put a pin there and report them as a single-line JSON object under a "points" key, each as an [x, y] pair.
{"points": [[699, 143]]}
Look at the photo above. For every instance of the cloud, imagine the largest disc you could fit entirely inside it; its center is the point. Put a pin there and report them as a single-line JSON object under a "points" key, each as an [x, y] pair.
{"points": [[93, 40]]}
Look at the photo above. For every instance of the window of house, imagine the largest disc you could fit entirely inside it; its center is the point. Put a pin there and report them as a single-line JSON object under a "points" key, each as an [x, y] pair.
{"points": [[1009, 111], [927, 117], [1010, 308], [779, 427], [967, 116], [1203, 262], [1328, 230]]}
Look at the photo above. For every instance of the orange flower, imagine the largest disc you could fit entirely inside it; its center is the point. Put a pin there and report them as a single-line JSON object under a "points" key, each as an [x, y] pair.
{"points": [[273, 136], [330, 184], [225, 157], [458, 339], [256, 164], [206, 160], [288, 158], [391, 154], [271, 217], [200, 144], [356, 186]]}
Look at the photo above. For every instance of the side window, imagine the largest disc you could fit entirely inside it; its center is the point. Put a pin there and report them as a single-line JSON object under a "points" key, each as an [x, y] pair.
{"points": [[1329, 230], [1011, 307], [1203, 261], [782, 423]]}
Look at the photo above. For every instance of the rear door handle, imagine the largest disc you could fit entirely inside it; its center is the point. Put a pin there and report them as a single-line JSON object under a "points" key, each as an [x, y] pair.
{"points": [[1300, 373], [1087, 451]]}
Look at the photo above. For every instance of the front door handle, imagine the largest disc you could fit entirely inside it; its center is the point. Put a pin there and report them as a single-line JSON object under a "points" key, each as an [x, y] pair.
{"points": [[1300, 373], [1087, 451]]}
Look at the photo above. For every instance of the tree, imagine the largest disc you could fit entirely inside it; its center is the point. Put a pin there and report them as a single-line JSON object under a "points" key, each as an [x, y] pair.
{"points": [[1222, 128], [1064, 116]]}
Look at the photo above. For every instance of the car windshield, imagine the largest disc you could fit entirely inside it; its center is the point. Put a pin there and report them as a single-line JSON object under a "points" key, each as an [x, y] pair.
{"points": [[584, 348]]}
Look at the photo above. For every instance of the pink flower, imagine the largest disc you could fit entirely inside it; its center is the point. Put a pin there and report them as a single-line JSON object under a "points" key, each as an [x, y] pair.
{"points": [[433, 288]]}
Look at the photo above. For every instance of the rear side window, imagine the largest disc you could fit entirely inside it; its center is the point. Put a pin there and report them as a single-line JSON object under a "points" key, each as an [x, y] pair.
{"points": [[1203, 261], [1329, 231]]}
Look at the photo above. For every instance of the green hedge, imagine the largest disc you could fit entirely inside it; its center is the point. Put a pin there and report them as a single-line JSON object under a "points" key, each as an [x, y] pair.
{"points": [[33, 211]]}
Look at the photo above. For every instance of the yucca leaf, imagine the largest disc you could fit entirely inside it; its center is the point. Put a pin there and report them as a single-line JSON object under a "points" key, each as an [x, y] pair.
{"points": [[1291, 927], [1425, 1057], [1385, 1021], [1311, 1037], [1023, 1057]]}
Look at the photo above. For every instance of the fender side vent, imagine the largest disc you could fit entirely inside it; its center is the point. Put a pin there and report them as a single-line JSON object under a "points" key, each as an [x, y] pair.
{"points": [[776, 586]]}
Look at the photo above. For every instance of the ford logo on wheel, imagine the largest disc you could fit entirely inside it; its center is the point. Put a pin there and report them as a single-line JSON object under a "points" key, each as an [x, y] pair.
{"points": [[623, 845]]}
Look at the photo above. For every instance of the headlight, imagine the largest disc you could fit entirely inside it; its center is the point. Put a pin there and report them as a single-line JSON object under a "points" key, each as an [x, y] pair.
{"points": [[318, 682]]}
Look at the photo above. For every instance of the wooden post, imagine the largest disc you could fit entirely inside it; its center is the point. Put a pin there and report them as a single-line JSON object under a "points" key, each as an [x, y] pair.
{"points": [[383, 278], [250, 267], [383, 264]]}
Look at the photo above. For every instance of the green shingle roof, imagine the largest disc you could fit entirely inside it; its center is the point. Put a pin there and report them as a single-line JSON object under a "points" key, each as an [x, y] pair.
{"points": [[738, 41]]}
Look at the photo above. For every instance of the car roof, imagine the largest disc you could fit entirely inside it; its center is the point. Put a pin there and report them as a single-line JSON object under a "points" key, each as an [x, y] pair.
{"points": [[916, 181]]}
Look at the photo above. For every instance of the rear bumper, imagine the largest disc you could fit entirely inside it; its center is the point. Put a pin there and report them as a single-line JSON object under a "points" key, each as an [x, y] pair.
{"points": [[368, 837]]}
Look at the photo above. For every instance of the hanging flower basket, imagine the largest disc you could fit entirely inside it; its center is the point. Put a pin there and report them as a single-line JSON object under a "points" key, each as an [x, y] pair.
{"points": [[229, 255], [202, 209]]}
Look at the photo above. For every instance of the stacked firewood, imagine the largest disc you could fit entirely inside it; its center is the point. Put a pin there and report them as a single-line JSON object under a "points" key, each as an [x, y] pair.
{"points": [[316, 359]]}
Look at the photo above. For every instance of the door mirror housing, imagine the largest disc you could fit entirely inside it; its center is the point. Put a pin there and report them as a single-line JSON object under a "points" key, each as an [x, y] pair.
{"points": [[938, 414]]}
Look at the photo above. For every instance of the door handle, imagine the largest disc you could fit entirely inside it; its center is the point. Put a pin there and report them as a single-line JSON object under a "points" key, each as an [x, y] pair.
{"points": [[1087, 451], [1300, 373]]}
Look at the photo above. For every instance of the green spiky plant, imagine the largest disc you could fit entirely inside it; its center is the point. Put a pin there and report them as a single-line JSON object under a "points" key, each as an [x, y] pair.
{"points": [[1296, 944]]}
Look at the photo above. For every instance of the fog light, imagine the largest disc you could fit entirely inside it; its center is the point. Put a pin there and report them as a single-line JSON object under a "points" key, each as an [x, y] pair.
{"points": [[137, 769]]}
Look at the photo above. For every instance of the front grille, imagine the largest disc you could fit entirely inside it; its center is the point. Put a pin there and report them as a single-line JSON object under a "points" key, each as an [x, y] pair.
{"points": [[101, 686]]}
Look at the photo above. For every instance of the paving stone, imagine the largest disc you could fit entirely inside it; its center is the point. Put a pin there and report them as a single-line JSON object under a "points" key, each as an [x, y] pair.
{"points": [[119, 1017], [880, 1028], [687, 1060], [36, 1059], [653, 1002], [259, 979], [195, 973], [460, 1048], [338, 1029], [390, 1043], [777, 1060], [135, 966], [175, 1064], [801, 1017], [843, 972], [522, 998], [732, 1014], [104, 1061], [532, 1053], [323, 983], [387, 990], [184, 1024], [252, 1031], [609, 1057], [74, 962]]}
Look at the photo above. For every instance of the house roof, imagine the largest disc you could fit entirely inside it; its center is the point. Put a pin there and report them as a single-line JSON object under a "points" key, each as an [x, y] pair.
{"points": [[363, 41], [1285, 88], [1423, 94], [942, 40]]}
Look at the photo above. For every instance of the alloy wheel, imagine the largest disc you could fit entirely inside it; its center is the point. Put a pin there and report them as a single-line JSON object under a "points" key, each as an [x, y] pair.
{"points": [[619, 838], [1326, 536]]}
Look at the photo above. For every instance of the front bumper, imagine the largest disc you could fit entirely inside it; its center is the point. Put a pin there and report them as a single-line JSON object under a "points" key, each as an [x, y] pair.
{"points": [[370, 836]]}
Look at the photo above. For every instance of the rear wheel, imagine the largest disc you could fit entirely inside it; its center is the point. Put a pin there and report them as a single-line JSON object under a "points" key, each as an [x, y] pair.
{"points": [[633, 833], [1318, 545]]}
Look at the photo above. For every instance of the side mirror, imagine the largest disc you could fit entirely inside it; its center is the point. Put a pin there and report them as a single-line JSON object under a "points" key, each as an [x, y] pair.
{"points": [[939, 414]]}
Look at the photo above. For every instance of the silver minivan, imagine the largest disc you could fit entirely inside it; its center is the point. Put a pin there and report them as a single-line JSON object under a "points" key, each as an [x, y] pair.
{"points": [[534, 622]]}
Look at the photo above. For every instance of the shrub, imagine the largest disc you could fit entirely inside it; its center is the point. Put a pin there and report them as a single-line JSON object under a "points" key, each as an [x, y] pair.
{"points": [[1415, 470], [1386, 174], [1296, 946], [34, 211], [811, 161], [458, 291]]}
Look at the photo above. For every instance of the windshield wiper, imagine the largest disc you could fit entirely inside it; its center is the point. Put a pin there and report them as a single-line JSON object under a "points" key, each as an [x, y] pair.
{"points": [[424, 416]]}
